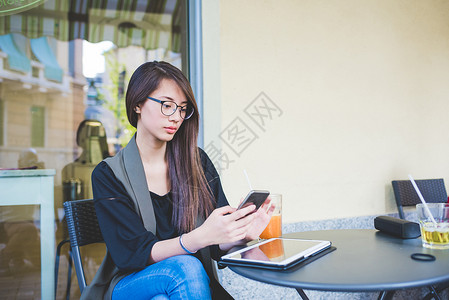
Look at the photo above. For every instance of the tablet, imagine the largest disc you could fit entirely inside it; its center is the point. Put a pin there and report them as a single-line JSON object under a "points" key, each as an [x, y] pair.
{"points": [[275, 253]]}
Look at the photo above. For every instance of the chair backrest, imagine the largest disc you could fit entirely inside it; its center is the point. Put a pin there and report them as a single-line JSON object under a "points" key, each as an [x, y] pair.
{"points": [[83, 228], [433, 191]]}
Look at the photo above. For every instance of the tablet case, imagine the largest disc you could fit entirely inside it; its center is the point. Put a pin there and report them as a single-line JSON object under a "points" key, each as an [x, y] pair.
{"points": [[300, 262], [397, 227]]}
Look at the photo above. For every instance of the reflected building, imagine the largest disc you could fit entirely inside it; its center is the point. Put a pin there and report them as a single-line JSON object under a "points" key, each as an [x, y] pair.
{"points": [[41, 100]]}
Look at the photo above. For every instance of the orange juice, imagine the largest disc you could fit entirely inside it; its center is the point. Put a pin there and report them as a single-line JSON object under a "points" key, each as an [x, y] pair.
{"points": [[273, 249], [273, 229]]}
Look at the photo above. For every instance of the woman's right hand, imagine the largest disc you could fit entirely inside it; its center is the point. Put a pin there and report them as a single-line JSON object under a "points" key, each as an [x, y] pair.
{"points": [[226, 225]]}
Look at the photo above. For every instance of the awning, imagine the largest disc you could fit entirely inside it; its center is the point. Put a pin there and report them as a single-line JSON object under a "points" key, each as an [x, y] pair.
{"points": [[150, 24], [41, 49], [17, 60]]}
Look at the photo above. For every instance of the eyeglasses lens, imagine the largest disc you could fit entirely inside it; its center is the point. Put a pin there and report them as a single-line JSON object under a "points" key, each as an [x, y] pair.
{"points": [[169, 108], [188, 112]]}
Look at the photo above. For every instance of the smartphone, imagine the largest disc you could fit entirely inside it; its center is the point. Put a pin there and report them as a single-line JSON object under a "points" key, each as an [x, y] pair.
{"points": [[256, 197]]}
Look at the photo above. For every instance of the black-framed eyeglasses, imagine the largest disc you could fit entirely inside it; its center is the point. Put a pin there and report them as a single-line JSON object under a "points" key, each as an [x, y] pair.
{"points": [[168, 108]]}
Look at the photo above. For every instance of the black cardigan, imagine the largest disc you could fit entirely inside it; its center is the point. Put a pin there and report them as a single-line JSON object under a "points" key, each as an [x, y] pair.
{"points": [[128, 242], [123, 220]]}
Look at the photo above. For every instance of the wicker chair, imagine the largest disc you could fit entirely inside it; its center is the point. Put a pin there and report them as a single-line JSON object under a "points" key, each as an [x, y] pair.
{"points": [[83, 230], [433, 191]]}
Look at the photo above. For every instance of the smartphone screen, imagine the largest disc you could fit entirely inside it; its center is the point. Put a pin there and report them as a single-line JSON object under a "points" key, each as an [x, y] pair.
{"points": [[256, 197]]}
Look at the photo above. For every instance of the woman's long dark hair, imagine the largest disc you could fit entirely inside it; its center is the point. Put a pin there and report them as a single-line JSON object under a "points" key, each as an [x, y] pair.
{"points": [[190, 191]]}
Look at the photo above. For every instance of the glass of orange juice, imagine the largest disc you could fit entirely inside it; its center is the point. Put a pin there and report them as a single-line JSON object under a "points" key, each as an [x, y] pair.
{"points": [[274, 228]]}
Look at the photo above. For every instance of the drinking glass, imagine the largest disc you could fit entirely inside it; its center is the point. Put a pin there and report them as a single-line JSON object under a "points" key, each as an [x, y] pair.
{"points": [[274, 228], [434, 235]]}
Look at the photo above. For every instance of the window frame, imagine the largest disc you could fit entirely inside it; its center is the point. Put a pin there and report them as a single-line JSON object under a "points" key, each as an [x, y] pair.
{"points": [[195, 59]]}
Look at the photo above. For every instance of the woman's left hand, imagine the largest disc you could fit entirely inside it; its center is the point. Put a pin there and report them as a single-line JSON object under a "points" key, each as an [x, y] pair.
{"points": [[261, 220]]}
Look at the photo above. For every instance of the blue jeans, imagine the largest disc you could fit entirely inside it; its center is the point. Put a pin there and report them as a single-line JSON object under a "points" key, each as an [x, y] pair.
{"points": [[177, 277]]}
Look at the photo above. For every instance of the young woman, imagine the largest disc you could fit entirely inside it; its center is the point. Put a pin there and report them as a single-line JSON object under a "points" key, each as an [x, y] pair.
{"points": [[159, 201]]}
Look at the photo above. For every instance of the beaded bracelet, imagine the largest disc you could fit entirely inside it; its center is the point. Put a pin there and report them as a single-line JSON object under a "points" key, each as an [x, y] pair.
{"points": [[184, 247]]}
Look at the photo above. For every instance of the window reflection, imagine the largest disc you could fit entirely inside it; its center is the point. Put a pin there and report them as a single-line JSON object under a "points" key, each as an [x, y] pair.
{"points": [[19, 237], [48, 91]]}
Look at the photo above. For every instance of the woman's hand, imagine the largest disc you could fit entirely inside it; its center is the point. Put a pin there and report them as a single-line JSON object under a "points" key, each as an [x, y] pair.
{"points": [[227, 225], [261, 219], [224, 226]]}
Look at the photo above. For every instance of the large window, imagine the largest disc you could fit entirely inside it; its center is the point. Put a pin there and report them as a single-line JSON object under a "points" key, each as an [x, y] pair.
{"points": [[62, 63]]}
